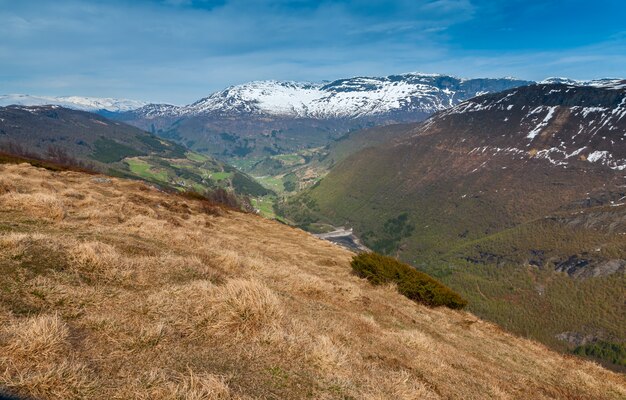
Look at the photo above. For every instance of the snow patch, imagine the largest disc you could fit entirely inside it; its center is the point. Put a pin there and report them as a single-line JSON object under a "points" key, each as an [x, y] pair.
{"points": [[597, 156], [532, 134]]}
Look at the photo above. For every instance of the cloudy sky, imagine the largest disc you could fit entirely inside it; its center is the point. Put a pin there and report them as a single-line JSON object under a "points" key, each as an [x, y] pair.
{"points": [[178, 51]]}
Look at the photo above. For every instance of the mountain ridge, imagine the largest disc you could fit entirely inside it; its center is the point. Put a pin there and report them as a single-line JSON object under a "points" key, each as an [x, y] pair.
{"points": [[355, 97], [266, 118], [74, 102], [310, 104]]}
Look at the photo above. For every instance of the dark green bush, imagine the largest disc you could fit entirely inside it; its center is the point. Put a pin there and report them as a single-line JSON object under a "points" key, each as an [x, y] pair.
{"points": [[612, 352], [415, 285]]}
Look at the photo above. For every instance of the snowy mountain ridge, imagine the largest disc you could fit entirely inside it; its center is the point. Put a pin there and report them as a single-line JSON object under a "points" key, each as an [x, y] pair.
{"points": [[344, 98], [554, 120], [354, 98], [91, 104], [606, 83]]}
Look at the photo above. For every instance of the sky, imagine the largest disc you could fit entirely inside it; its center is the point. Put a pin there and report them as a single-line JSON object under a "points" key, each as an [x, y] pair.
{"points": [[177, 51]]}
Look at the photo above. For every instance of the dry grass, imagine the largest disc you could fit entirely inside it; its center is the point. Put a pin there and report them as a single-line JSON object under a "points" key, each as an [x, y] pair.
{"points": [[160, 385], [37, 356], [115, 290], [41, 205], [37, 337]]}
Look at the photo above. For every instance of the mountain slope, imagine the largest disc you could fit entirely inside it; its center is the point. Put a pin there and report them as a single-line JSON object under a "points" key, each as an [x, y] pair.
{"points": [[115, 290], [272, 117], [527, 151], [115, 148], [530, 179]]}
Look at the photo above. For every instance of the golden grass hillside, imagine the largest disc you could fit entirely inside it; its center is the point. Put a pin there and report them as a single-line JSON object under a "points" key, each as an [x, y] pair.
{"points": [[114, 290]]}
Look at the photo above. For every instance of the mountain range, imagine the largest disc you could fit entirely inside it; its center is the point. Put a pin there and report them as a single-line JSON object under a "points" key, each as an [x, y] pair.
{"points": [[359, 97], [344, 98], [265, 118]]}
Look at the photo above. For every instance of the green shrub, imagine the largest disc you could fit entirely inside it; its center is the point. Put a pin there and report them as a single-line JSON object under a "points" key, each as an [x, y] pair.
{"points": [[612, 352], [415, 285]]}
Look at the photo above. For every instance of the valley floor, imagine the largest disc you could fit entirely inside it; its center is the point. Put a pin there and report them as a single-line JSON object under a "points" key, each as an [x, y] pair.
{"points": [[112, 289]]}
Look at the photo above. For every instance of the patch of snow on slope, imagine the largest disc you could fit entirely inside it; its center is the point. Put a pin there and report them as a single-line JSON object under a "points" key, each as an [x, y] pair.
{"points": [[606, 158], [597, 156], [532, 134]]}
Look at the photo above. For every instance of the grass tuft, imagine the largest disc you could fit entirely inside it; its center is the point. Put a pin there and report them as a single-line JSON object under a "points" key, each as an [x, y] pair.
{"points": [[246, 306], [43, 205], [37, 337]]}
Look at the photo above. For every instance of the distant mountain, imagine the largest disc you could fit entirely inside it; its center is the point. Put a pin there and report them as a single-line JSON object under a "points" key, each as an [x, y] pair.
{"points": [[608, 83], [506, 197], [272, 117], [92, 104], [115, 148], [345, 98]]}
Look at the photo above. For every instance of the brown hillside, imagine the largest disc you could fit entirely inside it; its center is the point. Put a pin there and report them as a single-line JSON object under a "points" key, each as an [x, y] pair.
{"points": [[111, 289]]}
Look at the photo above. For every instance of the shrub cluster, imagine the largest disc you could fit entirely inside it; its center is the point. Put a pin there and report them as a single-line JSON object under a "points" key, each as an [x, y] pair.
{"points": [[415, 285], [612, 352]]}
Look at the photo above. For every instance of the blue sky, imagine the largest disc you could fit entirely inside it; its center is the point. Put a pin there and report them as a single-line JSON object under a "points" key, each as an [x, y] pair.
{"points": [[178, 51]]}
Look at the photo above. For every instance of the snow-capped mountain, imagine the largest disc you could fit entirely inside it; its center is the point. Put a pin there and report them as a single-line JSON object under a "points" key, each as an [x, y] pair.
{"points": [[562, 123], [358, 97], [92, 104], [345, 98]]}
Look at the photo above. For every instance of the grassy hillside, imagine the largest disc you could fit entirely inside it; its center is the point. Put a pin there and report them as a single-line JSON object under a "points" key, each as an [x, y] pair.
{"points": [[111, 289], [115, 148]]}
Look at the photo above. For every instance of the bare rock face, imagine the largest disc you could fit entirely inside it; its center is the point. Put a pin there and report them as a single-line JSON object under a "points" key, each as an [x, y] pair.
{"points": [[586, 268], [577, 338]]}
